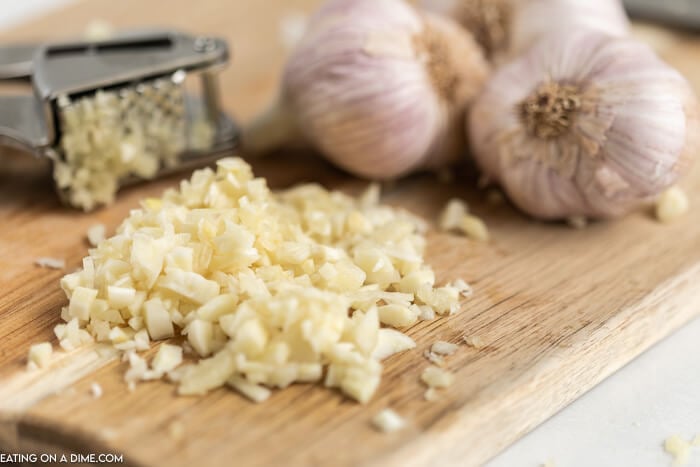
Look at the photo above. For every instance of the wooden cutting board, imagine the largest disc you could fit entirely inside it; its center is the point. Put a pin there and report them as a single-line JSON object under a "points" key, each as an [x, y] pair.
{"points": [[558, 309]]}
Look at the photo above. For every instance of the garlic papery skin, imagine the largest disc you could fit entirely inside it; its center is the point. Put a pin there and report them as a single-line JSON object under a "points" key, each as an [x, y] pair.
{"points": [[487, 20], [584, 125], [378, 88], [506, 28]]}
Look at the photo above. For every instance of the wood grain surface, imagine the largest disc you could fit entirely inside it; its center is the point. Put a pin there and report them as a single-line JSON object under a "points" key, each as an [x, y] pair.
{"points": [[559, 309]]}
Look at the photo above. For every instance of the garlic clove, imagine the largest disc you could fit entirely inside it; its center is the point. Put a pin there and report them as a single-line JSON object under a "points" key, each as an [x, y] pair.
{"points": [[377, 88], [600, 126]]}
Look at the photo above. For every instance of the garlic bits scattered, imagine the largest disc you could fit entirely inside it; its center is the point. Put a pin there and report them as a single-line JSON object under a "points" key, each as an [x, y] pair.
{"points": [[39, 355], [584, 125], [265, 289], [50, 263], [679, 448], [377, 87], [671, 205], [505, 28], [388, 421]]}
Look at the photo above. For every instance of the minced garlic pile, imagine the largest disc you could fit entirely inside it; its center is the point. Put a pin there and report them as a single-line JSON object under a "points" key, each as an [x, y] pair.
{"points": [[266, 289]]}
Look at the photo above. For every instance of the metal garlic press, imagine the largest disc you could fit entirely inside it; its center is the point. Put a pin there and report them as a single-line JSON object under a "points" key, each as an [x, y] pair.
{"points": [[111, 112]]}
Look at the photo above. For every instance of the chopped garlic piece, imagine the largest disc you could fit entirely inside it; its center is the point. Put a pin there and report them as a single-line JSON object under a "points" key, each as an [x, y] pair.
{"points": [[444, 348], [81, 302], [70, 336], [120, 297], [96, 390], [254, 392], [390, 342], [189, 285], [672, 204], [200, 335], [452, 215], [465, 290], [474, 341], [96, 234], [141, 340], [434, 358], [474, 228], [426, 313], [371, 195], [138, 369], [444, 299], [251, 338], [207, 374], [435, 377], [413, 281], [157, 320], [218, 307], [39, 355], [388, 421], [431, 395], [97, 30], [50, 263], [118, 335], [167, 358], [679, 448], [397, 315]]}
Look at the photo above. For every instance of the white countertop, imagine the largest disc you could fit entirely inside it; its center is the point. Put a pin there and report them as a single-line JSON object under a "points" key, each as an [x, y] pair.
{"points": [[622, 422]]}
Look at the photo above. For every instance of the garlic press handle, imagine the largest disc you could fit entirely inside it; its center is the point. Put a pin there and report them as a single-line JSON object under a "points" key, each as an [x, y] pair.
{"points": [[16, 61], [20, 122]]}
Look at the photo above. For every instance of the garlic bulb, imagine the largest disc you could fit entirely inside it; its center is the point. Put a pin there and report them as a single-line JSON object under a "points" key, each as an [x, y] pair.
{"points": [[584, 125], [509, 27], [377, 88]]}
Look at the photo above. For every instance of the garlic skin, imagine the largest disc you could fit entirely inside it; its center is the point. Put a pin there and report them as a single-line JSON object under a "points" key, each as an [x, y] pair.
{"points": [[506, 28], [378, 88], [487, 20], [584, 125]]}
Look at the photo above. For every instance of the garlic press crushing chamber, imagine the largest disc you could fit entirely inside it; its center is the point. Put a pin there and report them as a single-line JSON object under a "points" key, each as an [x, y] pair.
{"points": [[111, 112]]}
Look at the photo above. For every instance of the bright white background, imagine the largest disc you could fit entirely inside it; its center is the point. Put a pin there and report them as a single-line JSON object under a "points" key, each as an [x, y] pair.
{"points": [[620, 423]]}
